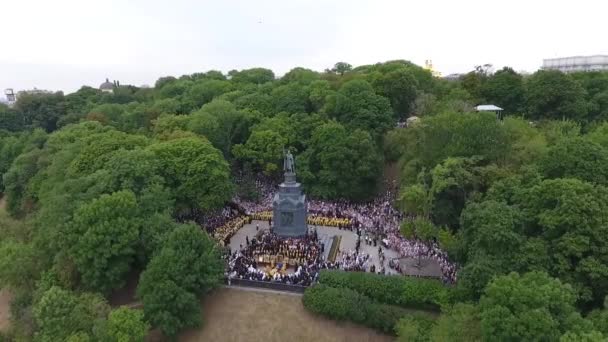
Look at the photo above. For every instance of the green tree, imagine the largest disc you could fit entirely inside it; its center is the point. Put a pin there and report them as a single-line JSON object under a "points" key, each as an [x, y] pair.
{"points": [[195, 171], [102, 239], [554, 95], [576, 158], [60, 314], [291, 98], [491, 228], [254, 75], [416, 200], [126, 325], [505, 89], [319, 91], [588, 336], [223, 124], [357, 106], [570, 216], [599, 318], [10, 119], [205, 91], [460, 323], [188, 265], [300, 75], [18, 265], [41, 110], [263, 149], [16, 179], [400, 87], [340, 164], [169, 307], [529, 307], [414, 328], [420, 228], [341, 68]]}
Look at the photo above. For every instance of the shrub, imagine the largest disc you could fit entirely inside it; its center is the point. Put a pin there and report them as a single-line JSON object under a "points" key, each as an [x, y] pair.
{"points": [[397, 290], [347, 305]]}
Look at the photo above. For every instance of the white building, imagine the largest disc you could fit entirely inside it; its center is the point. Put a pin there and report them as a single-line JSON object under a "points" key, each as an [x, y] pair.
{"points": [[490, 108], [11, 97], [107, 86], [577, 63]]}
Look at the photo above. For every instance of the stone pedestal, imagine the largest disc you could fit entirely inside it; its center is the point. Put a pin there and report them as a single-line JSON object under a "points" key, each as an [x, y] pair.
{"points": [[290, 209]]}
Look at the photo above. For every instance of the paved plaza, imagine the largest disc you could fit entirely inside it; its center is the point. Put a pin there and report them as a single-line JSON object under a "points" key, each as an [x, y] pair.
{"points": [[349, 239]]}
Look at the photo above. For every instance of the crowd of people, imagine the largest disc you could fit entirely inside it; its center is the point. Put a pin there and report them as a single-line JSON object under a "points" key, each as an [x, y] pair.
{"points": [[377, 220], [305, 250], [242, 267], [224, 232], [353, 261], [267, 257]]}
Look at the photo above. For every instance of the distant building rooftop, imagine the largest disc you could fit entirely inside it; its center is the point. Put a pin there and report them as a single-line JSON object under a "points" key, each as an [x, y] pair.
{"points": [[577, 63], [488, 108], [107, 85]]}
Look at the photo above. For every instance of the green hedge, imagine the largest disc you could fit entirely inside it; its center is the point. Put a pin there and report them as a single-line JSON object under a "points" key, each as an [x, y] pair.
{"points": [[407, 292], [348, 305]]}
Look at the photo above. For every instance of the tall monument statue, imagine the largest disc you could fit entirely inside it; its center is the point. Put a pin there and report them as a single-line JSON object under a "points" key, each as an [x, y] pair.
{"points": [[288, 163], [289, 206]]}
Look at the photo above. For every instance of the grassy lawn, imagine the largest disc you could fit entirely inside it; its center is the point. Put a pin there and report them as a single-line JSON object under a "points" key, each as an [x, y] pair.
{"points": [[239, 315]]}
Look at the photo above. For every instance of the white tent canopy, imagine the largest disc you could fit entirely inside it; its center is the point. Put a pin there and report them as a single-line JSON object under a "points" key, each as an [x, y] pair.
{"points": [[488, 108]]}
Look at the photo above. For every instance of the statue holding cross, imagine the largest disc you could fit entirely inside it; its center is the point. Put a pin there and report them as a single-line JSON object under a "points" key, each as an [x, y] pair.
{"points": [[289, 165]]}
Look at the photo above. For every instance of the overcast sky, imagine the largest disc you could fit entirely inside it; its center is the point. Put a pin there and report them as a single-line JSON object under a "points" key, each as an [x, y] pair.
{"points": [[63, 44]]}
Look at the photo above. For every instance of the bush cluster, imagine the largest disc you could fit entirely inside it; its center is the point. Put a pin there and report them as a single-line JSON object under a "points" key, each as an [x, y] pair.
{"points": [[348, 305], [406, 292]]}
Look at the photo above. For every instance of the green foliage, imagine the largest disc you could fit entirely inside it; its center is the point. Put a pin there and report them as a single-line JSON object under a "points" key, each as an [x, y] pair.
{"points": [[60, 314], [188, 266], [339, 163], [505, 89], [263, 149], [18, 263], [357, 106], [254, 75], [528, 307], [569, 215], [102, 239], [195, 171], [456, 135], [96, 195], [459, 324], [341, 68], [420, 228], [576, 158], [416, 200], [99, 148], [414, 328], [400, 87], [291, 98], [41, 110], [491, 228], [222, 124], [588, 336], [10, 119], [347, 305], [554, 95], [395, 290], [126, 325]]}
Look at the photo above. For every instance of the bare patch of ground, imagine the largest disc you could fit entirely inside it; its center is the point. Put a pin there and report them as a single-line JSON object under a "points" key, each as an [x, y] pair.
{"points": [[238, 315], [5, 296], [5, 301]]}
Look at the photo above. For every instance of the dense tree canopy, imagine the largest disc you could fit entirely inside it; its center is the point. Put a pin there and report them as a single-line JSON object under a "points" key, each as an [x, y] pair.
{"points": [[96, 182], [528, 307], [338, 163]]}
